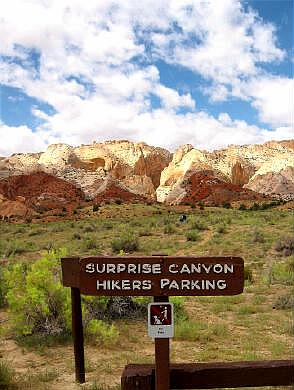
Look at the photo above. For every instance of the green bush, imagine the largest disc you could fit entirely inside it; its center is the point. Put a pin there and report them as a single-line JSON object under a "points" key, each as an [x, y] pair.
{"points": [[89, 228], [192, 235], [95, 207], [14, 247], [257, 236], [145, 232], [179, 309], [221, 228], [284, 302], [101, 333], [248, 274], [169, 229], [255, 207], [281, 273], [242, 207], [128, 242], [38, 302], [6, 375], [285, 245], [90, 243], [3, 287], [199, 225]]}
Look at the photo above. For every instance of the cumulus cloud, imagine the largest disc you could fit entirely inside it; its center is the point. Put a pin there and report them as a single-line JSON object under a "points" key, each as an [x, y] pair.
{"points": [[272, 96], [96, 66], [19, 139]]}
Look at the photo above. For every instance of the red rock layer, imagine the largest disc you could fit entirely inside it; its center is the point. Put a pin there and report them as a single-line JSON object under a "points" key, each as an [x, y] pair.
{"points": [[114, 192], [41, 189], [203, 187]]}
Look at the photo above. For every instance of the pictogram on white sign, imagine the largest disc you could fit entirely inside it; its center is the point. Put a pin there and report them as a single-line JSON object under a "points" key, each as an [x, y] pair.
{"points": [[160, 320]]}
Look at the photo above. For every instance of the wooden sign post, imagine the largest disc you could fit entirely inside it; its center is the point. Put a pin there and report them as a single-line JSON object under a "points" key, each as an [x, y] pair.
{"points": [[159, 276]]}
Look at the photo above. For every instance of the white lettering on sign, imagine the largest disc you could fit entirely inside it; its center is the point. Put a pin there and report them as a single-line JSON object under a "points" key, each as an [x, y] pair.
{"points": [[170, 276], [124, 284], [200, 268], [193, 284], [112, 268], [121, 267]]}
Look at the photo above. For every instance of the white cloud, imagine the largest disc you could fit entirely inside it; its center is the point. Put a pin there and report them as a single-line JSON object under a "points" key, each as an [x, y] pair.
{"points": [[171, 99], [273, 98], [19, 139], [97, 44]]}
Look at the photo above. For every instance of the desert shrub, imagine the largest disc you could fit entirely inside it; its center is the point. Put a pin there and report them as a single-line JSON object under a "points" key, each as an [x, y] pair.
{"points": [[285, 245], [3, 287], [281, 273], [228, 220], [284, 302], [192, 235], [101, 332], [38, 302], [188, 330], [95, 207], [199, 331], [201, 205], [257, 236], [227, 205], [145, 232], [199, 225], [180, 313], [107, 226], [14, 247], [125, 307], [6, 375], [242, 207], [193, 206], [221, 228], [255, 207], [90, 243], [248, 274], [169, 229], [89, 229], [128, 242], [76, 236], [75, 211]]}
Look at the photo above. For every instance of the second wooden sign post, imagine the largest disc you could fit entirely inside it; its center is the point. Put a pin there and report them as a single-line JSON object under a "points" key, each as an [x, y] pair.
{"points": [[160, 277]]}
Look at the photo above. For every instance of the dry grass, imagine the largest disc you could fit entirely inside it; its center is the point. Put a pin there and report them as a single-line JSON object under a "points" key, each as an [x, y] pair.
{"points": [[245, 327]]}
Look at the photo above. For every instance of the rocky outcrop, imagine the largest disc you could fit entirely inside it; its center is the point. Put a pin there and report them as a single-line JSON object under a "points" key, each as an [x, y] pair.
{"points": [[278, 184], [203, 186], [111, 190], [239, 165], [41, 191], [151, 172], [14, 208], [137, 166]]}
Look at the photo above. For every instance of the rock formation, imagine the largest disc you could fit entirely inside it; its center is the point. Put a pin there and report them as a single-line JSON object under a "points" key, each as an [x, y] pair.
{"points": [[204, 186], [136, 172], [240, 165], [111, 190], [136, 165], [278, 184], [41, 191]]}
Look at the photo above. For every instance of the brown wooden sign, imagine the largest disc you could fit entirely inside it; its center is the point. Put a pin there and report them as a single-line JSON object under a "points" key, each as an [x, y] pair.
{"points": [[154, 276]]}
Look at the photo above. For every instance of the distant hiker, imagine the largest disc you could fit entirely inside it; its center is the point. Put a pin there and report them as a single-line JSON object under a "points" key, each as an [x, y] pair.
{"points": [[183, 218]]}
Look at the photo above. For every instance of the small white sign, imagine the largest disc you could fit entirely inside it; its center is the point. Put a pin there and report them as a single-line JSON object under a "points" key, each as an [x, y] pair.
{"points": [[161, 320]]}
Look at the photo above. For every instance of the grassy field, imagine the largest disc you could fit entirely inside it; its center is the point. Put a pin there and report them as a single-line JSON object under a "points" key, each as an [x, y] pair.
{"points": [[255, 325]]}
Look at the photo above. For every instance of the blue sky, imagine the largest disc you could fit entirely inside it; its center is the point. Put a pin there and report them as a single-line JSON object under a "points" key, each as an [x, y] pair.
{"points": [[167, 72]]}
